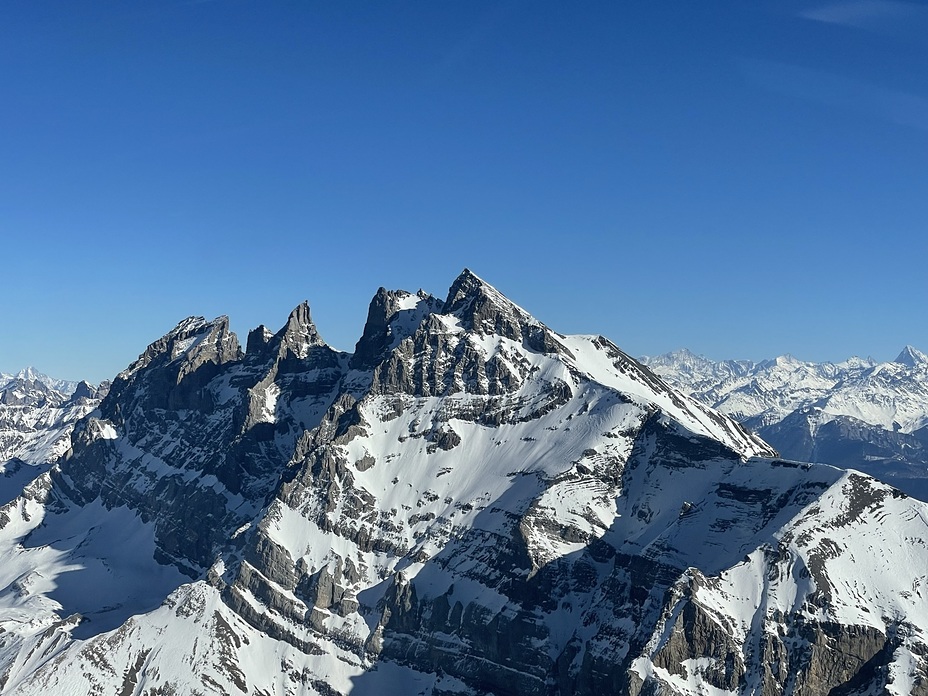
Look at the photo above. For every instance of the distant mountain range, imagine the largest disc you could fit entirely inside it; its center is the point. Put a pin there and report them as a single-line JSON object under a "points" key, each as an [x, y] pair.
{"points": [[37, 415], [470, 503], [857, 414], [30, 374]]}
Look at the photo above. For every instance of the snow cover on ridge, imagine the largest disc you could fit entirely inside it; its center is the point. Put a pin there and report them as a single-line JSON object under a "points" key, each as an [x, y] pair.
{"points": [[470, 503]]}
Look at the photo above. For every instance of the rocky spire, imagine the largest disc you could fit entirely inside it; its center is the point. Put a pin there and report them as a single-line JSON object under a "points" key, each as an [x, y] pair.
{"points": [[258, 339], [912, 357], [299, 334], [374, 340]]}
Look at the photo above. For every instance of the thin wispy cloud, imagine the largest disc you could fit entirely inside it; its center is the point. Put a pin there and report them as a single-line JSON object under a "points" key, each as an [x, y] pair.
{"points": [[885, 16], [838, 91]]}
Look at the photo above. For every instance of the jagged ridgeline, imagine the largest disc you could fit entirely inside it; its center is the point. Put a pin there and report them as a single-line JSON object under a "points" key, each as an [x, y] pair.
{"points": [[470, 503]]}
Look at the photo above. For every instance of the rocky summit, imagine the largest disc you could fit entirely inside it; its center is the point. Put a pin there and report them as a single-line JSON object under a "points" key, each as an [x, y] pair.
{"points": [[469, 503]]}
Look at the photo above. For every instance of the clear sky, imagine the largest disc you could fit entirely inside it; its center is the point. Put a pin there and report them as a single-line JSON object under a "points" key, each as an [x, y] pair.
{"points": [[741, 178]]}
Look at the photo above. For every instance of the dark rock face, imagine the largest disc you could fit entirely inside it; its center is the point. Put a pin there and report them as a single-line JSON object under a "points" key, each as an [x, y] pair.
{"points": [[482, 309], [391, 315], [176, 368], [806, 658], [696, 635], [258, 340], [207, 436], [433, 362], [479, 310]]}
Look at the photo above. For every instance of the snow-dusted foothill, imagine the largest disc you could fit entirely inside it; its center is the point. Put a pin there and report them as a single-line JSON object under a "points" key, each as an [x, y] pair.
{"points": [[470, 503]]}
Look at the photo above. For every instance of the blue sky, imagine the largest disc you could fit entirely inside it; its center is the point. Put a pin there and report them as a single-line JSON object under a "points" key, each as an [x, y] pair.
{"points": [[741, 178]]}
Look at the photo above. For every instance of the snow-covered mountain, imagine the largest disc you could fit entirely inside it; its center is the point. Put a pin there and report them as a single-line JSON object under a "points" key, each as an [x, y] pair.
{"points": [[30, 374], [470, 503], [37, 415], [857, 414]]}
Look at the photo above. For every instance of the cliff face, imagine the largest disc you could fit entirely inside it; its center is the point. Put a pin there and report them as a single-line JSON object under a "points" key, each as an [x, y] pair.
{"points": [[470, 503]]}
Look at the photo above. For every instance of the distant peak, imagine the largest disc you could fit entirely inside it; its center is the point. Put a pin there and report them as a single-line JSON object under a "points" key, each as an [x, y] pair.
{"points": [[787, 359], [84, 390], [33, 376], [911, 357], [685, 354], [29, 373]]}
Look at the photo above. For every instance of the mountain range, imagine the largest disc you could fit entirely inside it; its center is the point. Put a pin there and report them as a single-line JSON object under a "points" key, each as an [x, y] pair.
{"points": [[859, 414], [30, 374], [468, 503], [37, 415]]}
